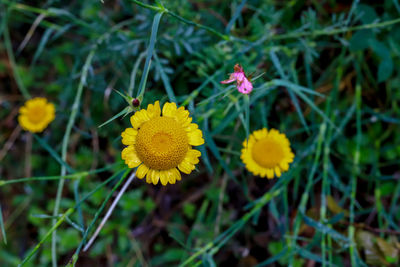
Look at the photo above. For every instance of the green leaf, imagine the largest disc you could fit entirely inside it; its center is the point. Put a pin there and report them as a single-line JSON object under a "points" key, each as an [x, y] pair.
{"points": [[150, 49], [367, 13], [3, 231], [53, 153], [360, 40], [165, 79], [385, 68], [124, 112], [324, 229]]}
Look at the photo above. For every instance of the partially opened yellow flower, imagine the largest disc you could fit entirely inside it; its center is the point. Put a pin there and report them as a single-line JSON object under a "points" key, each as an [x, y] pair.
{"points": [[160, 145], [267, 153], [36, 114]]}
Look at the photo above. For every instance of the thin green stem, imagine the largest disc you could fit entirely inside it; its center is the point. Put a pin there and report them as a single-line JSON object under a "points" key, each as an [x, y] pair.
{"points": [[305, 195], [150, 50], [154, 8], [353, 249], [3, 231], [49, 12], [75, 257], [186, 21], [316, 33], [77, 175], [7, 43], [71, 121], [209, 29], [52, 230]]}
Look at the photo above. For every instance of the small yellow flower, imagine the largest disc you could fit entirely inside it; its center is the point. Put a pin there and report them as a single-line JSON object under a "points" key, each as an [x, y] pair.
{"points": [[36, 114], [160, 145], [267, 153]]}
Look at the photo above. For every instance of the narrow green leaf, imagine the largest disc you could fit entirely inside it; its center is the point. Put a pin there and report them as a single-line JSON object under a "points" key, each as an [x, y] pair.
{"points": [[235, 17], [215, 151], [247, 115], [165, 79], [3, 231], [42, 44], [53, 153], [126, 110], [314, 107], [150, 49], [324, 229]]}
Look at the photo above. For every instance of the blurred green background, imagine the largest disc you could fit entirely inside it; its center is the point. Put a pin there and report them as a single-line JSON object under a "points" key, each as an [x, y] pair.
{"points": [[329, 81]]}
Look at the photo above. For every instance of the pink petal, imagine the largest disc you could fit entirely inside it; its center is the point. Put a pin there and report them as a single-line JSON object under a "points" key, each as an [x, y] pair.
{"points": [[232, 78], [228, 81], [239, 76], [245, 87]]}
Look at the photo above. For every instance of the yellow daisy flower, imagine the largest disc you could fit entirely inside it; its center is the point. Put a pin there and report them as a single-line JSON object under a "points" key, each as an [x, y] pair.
{"points": [[36, 114], [267, 153], [160, 145]]}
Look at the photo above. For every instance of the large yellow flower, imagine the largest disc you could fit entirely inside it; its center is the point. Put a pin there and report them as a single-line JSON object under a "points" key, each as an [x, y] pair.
{"points": [[160, 145], [36, 114], [267, 153]]}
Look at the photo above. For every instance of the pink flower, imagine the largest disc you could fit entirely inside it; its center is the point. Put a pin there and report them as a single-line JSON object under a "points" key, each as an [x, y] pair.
{"points": [[243, 85]]}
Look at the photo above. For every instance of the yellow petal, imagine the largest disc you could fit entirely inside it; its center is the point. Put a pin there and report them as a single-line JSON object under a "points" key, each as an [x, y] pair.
{"points": [[270, 173], [193, 156], [154, 111], [148, 178], [196, 138], [182, 114], [164, 177], [169, 110], [129, 136], [185, 122], [284, 166], [177, 174], [141, 171], [186, 167], [191, 127], [153, 176], [139, 118], [171, 175], [277, 171], [131, 158]]}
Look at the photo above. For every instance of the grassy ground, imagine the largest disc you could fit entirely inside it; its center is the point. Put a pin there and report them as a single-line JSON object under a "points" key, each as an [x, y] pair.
{"points": [[327, 76]]}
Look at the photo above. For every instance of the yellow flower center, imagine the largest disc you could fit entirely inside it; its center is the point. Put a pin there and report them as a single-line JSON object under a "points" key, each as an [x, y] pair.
{"points": [[161, 143], [36, 114], [267, 153]]}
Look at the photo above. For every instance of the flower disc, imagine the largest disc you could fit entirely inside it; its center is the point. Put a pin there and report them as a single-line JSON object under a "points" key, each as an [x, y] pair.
{"points": [[161, 143], [267, 153]]}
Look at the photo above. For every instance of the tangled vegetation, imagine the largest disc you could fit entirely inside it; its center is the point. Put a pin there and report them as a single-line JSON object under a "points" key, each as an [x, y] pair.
{"points": [[324, 74]]}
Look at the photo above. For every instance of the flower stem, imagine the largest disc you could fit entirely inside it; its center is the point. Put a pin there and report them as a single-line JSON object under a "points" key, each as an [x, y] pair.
{"points": [[110, 210]]}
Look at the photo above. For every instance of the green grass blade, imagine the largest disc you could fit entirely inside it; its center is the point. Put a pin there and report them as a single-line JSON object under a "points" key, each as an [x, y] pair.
{"points": [[3, 231], [53, 153], [47, 235], [324, 229], [165, 79], [126, 110], [150, 49], [10, 53], [278, 66], [235, 17], [134, 72], [75, 256]]}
